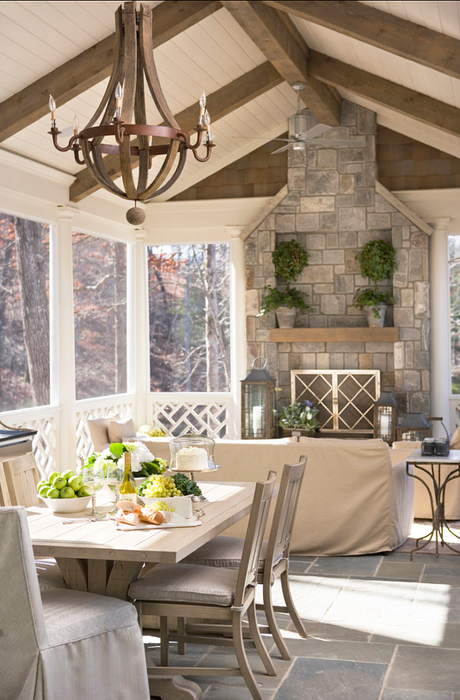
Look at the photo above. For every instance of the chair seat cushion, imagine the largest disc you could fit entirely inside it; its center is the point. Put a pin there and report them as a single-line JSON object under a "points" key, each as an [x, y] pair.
{"points": [[186, 583], [223, 551], [73, 615], [49, 574]]}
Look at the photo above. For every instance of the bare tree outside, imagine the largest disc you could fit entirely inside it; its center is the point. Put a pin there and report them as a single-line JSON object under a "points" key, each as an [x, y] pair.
{"points": [[99, 271], [189, 308], [24, 313]]}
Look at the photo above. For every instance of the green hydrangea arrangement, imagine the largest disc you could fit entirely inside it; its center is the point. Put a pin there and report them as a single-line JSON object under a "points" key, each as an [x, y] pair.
{"points": [[300, 415]]}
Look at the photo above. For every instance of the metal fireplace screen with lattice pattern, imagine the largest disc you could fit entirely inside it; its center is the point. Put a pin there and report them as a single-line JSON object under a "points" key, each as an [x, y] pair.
{"points": [[345, 399]]}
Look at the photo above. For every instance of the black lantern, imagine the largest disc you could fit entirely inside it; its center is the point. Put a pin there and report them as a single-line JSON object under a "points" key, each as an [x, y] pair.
{"points": [[414, 427], [385, 417], [258, 404]]}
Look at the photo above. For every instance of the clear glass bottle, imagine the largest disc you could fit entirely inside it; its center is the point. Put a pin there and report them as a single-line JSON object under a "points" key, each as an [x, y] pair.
{"points": [[128, 488]]}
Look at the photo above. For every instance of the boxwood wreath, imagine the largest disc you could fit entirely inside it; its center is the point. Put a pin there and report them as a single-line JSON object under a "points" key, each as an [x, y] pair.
{"points": [[289, 259], [377, 262]]}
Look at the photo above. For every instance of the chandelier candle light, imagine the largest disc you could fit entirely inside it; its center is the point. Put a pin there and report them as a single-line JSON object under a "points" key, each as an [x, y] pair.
{"points": [[118, 127]]}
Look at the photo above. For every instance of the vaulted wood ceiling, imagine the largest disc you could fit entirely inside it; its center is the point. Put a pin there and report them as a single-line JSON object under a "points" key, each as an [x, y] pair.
{"points": [[401, 60]]}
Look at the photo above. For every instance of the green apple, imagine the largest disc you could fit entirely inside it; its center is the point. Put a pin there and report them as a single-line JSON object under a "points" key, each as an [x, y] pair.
{"points": [[67, 492], [59, 482], [81, 493], [76, 482], [68, 474], [52, 476], [52, 493], [43, 490], [43, 482]]}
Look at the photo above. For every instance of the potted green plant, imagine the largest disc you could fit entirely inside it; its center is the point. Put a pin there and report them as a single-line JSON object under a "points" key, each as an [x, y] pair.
{"points": [[289, 259], [299, 416], [377, 262]]}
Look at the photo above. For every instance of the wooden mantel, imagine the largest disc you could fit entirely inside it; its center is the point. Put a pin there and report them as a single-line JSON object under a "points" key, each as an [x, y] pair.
{"points": [[333, 335]]}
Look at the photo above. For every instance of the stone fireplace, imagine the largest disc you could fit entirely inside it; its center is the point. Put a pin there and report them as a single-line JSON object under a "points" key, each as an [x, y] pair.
{"points": [[332, 206]]}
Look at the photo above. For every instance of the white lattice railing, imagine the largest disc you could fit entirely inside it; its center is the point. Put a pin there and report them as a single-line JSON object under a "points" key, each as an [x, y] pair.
{"points": [[123, 405], [177, 414], [210, 414], [46, 422]]}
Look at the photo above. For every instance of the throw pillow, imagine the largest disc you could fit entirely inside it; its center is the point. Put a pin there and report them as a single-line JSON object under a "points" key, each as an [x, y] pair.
{"points": [[455, 440], [120, 430]]}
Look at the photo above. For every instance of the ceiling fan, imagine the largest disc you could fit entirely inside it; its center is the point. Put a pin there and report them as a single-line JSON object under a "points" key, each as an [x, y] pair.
{"points": [[300, 135]]}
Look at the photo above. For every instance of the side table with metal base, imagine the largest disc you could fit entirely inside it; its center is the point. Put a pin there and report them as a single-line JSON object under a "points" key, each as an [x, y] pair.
{"points": [[431, 466]]}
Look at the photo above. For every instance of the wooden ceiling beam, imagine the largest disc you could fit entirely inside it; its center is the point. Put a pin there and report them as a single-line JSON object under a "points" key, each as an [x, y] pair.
{"points": [[219, 104], [386, 93], [282, 45], [380, 29], [91, 66]]}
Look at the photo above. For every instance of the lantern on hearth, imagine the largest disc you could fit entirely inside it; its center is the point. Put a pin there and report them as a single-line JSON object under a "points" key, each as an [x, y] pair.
{"points": [[258, 403], [385, 417], [414, 427]]}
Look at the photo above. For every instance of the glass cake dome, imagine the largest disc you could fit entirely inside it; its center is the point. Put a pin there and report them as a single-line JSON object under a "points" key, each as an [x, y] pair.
{"points": [[192, 453]]}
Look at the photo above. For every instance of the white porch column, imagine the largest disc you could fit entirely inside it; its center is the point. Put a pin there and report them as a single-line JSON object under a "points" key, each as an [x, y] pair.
{"points": [[66, 435], [140, 332], [439, 325], [238, 321]]}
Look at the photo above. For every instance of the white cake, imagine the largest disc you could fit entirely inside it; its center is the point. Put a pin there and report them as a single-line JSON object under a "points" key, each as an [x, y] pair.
{"points": [[194, 459]]}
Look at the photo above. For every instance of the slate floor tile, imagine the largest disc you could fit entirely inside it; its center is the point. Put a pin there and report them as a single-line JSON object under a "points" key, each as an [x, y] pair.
{"points": [[331, 649], [401, 571], [398, 694], [343, 566], [332, 679], [425, 668]]}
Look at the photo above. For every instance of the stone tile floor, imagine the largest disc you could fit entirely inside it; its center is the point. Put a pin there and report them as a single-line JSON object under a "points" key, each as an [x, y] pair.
{"points": [[380, 627]]}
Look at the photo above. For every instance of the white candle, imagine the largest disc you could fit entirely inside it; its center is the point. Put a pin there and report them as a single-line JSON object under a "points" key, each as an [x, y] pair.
{"points": [[384, 424], [256, 419]]}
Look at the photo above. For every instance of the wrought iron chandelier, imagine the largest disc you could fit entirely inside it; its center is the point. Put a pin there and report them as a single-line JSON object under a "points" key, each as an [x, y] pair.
{"points": [[118, 127]]}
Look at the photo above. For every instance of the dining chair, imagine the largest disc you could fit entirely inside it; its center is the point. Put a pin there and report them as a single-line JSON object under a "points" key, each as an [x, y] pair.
{"points": [[199, 592], [226, 552], [62, 643], [18, 487]]}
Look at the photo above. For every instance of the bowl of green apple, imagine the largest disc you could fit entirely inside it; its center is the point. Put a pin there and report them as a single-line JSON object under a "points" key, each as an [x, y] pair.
{"points": [[63, 493]]}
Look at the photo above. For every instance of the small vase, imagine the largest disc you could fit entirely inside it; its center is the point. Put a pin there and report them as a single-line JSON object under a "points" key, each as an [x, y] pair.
{"points": [[372, 321], [286, 317]]}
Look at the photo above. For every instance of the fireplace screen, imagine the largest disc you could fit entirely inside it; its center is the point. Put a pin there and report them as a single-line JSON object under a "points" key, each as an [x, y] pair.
{"points": [[345, 398]]}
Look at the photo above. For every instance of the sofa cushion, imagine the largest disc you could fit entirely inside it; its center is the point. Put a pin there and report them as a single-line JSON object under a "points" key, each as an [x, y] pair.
{"points": [[98, 428], [119, 430]]}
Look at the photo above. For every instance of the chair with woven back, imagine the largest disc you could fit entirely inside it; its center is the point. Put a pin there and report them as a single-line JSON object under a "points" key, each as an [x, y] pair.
{"points": [[19, 477], [224, 596], [226, 552]]}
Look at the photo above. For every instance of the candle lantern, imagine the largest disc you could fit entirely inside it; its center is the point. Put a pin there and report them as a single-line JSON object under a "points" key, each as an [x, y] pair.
{"points": [[385, 417], [258, 403], [414, 427]]}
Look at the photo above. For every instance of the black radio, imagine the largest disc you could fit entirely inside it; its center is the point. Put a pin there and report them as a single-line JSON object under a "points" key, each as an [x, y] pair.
{"points": [[439, 447]]}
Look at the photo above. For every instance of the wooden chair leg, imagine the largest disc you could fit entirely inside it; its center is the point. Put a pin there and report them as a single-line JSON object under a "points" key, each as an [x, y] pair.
{"points": [[181, 646], [258, 641], [272, 623], [164, 641], [291, 606], [240, 651]]}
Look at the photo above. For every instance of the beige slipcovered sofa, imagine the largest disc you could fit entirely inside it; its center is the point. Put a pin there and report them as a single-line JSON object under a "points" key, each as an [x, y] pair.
{"points": [[353, 501]]}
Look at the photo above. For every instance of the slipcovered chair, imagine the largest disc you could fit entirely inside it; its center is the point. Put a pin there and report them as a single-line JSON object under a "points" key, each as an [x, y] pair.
{"points": [[202, 592], [66, 644], [18, 487], [274, 561]]}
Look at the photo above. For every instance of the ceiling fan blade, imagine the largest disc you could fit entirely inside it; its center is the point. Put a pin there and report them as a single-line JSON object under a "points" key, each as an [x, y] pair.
{"points": [[283, 148], [315, 131], [336, 144]]}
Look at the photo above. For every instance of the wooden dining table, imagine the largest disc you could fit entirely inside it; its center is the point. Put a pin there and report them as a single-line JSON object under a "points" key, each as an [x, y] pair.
{"points": [[99, 558]]}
